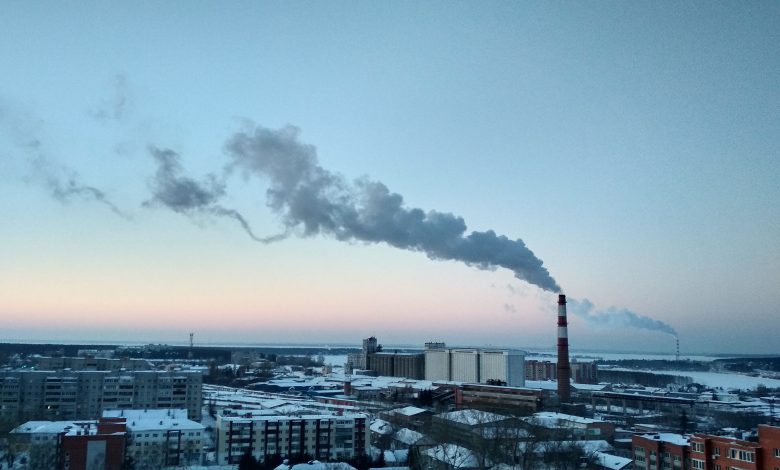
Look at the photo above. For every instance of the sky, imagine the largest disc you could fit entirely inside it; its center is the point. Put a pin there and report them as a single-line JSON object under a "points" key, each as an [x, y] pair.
{"points": [[411, 170]]}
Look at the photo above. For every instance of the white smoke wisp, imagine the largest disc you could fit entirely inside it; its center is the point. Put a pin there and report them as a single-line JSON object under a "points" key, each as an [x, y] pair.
{"points": [[312, 200], [613, 317]]}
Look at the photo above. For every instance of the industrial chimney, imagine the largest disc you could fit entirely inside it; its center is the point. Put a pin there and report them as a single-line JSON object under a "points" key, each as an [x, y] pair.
{"points": [[564, 370]]}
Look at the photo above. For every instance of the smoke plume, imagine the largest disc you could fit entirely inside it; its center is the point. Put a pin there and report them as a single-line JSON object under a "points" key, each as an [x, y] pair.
{"points": [[61, 182], [186, 196], [615, 317], [315, 201]]}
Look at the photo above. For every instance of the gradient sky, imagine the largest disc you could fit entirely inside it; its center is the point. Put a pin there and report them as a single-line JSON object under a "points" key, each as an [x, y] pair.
{"points": [[633, 146]]}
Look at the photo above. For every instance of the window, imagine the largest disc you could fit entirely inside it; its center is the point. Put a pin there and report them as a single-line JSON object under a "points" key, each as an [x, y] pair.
{"points": [[697, 464], [716, 451], [697, 447], [743, 455], [777, 453]]}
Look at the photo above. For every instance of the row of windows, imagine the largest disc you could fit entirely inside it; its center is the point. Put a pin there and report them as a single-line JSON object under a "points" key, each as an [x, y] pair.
{"points": [[743, 455], [138, 444]]}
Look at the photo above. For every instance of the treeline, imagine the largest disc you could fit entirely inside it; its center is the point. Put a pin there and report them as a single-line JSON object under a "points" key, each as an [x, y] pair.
{"points": [[648, 379], [657, 364], [749, 364]]}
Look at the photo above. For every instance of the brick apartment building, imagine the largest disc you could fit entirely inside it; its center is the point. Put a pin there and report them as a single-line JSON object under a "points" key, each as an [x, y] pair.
{"points": [[99, 446], [658, 451], [661, 451]]}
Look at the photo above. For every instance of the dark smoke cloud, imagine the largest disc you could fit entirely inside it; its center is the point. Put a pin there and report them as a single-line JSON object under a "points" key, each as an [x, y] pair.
{"points": [[187, 196], [315, 201], [615, 317]]}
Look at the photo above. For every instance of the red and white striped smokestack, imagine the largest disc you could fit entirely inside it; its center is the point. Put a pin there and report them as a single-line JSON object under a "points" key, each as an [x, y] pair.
{"points": [[564, 369]]}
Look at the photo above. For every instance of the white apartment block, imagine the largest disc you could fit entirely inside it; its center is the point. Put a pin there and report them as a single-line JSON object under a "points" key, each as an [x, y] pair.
{"points": [[161, 438], [153, 438], [475, 365], [67, 395], [323, 437]]}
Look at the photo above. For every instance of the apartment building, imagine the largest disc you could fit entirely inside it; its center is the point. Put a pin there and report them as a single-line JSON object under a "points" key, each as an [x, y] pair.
{"points": [[72, 445], [660, 451], [92, 363], [161, 438], [68, 395], [151, 438], [325, 437]]}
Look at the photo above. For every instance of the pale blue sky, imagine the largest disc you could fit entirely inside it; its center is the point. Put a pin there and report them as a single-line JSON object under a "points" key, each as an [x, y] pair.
{"points": [[633, 146]]}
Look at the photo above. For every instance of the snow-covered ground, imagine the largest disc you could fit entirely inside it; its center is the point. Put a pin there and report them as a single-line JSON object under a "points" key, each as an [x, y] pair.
{"points": [[726, 381], [335, 359]]}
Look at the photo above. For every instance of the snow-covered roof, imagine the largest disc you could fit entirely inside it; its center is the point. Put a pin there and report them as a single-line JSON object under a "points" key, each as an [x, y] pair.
{"points": [[546, 418], [382, 427], [611, 461], [396, 456], [409, 411], [591, 446], [454, 455], [672, 438], [407, 436], [50, 427], [164, 424], [472, 417], [317, 465]]}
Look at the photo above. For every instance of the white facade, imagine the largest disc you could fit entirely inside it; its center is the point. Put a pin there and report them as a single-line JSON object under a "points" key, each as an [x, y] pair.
{"points": [[160, 438], [465, 365], [476, 365], [505, 365], [437, 364], [323, 437]]}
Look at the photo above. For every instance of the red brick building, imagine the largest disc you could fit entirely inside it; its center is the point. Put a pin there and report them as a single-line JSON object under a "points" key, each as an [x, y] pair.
{"points": [[95, 446], [659, 451], [769, 438], [724, 453]]}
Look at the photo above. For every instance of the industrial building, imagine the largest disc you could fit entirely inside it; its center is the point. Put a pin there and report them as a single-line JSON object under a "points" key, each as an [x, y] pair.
{"points": [[264, 434], [581, 372], [69, 395], [389, 364], [499, 398], [408, 365], [495, 366]]}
